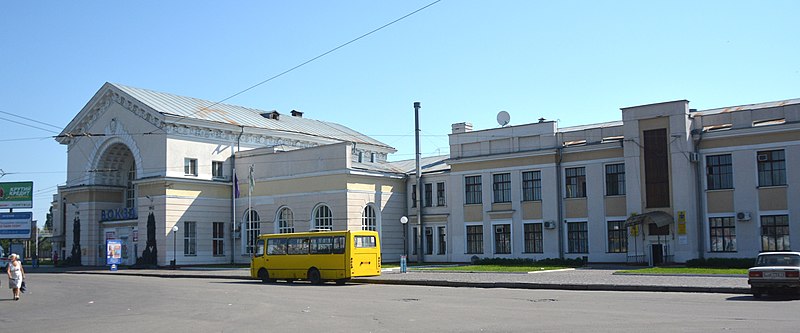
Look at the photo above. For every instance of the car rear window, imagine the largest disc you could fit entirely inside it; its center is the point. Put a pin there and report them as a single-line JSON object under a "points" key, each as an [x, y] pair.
{"points": [[778, 260]]}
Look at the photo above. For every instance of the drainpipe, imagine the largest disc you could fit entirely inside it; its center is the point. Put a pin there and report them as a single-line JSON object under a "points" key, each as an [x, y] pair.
{"points": [[701, 246], [233, 194], [559, 194]]}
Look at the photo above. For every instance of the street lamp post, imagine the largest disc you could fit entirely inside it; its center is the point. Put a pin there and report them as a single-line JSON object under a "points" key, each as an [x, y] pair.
{"points": [[174, 245], [403, 258]]}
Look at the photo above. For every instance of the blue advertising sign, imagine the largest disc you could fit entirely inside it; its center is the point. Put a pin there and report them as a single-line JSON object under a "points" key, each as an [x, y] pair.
{"points": [[15, 225], [113, 252]]}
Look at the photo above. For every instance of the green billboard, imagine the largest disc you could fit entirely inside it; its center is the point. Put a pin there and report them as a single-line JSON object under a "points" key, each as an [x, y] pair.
{"points": [[16, 195]]}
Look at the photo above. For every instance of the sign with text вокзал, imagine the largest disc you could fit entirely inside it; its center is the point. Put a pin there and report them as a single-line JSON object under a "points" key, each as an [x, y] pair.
{"points": [[16, 195], [15, 225]]}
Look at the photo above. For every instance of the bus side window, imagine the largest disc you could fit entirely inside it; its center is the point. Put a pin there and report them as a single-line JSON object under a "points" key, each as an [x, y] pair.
{"points": [[276, 246], [338, 244], [321, 245], [260, 248]]}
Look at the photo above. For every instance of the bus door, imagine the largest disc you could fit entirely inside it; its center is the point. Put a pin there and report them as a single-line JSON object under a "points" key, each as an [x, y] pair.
{"points": [[365, 256]]}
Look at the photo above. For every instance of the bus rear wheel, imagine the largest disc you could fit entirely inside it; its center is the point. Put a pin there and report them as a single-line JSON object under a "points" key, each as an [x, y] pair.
{"points": [[314, 276], [263, 274]]}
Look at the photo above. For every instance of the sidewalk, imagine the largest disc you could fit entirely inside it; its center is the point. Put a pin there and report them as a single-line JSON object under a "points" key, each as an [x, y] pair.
{"points": [[590, 278]]}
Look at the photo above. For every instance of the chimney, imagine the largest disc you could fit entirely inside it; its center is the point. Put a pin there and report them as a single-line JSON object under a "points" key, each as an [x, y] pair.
{"points": [[298, 114], [461, 128], [271, 115]]}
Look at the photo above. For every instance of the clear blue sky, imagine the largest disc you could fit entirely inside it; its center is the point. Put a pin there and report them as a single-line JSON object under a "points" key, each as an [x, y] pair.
{"points": [[574, 61]]}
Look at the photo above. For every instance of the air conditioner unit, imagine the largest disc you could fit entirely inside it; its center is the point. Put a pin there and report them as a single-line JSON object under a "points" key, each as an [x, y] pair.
{"points": [[549, 225], [762, 157], [694, 157], [743, 216]]}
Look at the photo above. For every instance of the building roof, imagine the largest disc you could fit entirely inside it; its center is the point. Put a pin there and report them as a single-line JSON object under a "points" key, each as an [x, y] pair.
{"points": [[427, 164], [764, 105], [195, 108]]}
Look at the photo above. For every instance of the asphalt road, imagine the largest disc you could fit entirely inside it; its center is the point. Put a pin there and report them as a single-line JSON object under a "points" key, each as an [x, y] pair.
{"points": [[105, 303]]}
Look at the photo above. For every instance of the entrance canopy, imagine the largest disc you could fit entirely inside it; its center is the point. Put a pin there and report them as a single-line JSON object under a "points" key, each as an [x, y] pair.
{"points": [[658, 217]]}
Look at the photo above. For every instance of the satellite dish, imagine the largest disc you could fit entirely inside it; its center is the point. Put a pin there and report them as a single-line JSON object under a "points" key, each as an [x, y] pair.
{"points": [[503, 118]]}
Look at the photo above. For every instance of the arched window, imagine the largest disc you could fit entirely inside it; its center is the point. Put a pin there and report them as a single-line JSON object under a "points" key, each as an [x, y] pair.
{"points": [[323, 218], [368, 219], [285, 220], [130, 190], [252, 226]]}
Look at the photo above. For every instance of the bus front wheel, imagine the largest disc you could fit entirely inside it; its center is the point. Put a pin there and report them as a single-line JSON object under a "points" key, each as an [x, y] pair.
{"points": [[314, 276], [263, 274]]}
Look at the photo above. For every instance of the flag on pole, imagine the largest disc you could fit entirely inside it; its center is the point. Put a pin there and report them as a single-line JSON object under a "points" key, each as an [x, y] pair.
{"points": [[252, 180], [236, 186]]}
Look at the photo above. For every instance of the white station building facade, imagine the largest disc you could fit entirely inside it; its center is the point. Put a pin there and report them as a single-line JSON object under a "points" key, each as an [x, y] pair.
{"points": [[665, 184]]}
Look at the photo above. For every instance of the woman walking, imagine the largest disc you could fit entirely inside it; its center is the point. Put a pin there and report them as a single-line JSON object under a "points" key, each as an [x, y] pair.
{"points": [[15, 275]]}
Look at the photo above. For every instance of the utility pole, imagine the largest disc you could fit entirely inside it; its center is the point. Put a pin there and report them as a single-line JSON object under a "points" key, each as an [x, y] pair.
{"points": [[420, 230]]}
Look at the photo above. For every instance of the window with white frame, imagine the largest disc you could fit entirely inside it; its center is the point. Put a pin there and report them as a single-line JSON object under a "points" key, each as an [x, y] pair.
{"points": [[285, 221], [719, 172], [428, 240], [533, 238], [502, 238], [501, 186], [189, 238], [190, 166], [414, 242], [575, 182], [617, 237], [218, 239], [723, 234], [413, 196], [532, 186], [428, 195], [323, 218], [369, 220], [442, 234], [615, 179], [771, 168], [130, 189], [775, 233], [472, 190], [217, 172], [252, 227], [440, 199], [474, 239], [577, 237]]}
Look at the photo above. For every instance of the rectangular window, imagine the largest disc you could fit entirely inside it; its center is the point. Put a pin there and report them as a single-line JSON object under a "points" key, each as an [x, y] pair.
{"points": [[297, 246], [189, 238], [474, 239], [276, 246], [442, 240], [190, 166], [472, 188], [440, 199], [533, 238], [321, 245], [502, 238], [723, 234], [577, 237], [218, 239], [414, 240], [576, 182], [338, 245], [615, 179], [428, 240], [365, 242], [216, 170], [372, 157], [501, 187], [719, 172], [259, 248], [428, 195], [532, 186], [413, 196], [656, 168], [771, 168], [775, 233], [617, 237]]}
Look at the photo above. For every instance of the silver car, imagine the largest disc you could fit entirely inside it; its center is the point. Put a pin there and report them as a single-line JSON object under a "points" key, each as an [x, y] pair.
{"points": [[775, 272]]}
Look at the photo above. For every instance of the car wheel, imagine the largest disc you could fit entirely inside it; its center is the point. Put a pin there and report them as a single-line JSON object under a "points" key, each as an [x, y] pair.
{"points": [[263, 274]]}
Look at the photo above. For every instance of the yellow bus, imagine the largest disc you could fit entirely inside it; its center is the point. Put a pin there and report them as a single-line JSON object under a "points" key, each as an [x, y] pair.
{"points": [[316, 256]]}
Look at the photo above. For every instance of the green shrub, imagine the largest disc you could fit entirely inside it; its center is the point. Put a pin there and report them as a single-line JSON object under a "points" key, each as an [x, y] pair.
{"points": [[721, 263], [529, 262]]}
